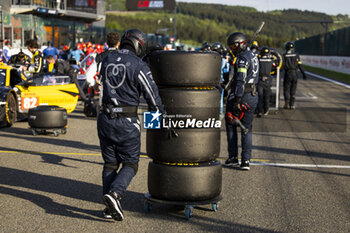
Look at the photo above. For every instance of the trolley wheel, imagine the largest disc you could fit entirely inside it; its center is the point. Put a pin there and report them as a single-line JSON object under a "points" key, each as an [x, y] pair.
{"points": [[147, 206], [215, 206], [63, 131], [55, 132], [188, 212], [34, 132]]}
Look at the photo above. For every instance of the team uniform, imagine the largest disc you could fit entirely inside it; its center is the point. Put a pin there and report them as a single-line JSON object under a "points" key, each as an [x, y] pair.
{"points": [[243, 89], [264, 86], [124, 78], [291, 65]]}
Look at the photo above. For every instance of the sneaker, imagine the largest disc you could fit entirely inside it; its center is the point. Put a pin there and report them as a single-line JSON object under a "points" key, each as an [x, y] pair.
{"points": [[231, 161], [292, 106], [245, 165], [107, 214], [111, 200], [266, 113]]}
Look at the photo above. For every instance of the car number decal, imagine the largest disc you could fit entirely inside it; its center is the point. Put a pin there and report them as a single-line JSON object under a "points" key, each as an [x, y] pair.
{"points": [[29, 102]]}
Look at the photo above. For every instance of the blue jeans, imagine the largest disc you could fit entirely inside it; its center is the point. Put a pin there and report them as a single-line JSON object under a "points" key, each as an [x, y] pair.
{"points": [[247, 121], [120, 144]]}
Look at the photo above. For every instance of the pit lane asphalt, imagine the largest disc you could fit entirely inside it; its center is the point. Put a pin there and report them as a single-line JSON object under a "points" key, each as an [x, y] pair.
{"points": [[299, 179]]}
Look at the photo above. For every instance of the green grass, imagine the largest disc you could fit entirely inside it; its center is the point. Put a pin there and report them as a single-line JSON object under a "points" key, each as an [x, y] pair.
{"points": [[345, 78]]}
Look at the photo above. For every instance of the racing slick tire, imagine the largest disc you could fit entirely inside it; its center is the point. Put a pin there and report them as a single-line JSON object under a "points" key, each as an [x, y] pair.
{"points": [[8, 112], [185, 182], [277, 58], [190, 145], [47, 117], [184, 68], [197, 103]]}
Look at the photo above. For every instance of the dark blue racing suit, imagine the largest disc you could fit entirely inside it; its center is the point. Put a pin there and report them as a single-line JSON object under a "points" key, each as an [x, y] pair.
{"points": [[124, 78], [243, 88], [291, 64], [264, 86]]}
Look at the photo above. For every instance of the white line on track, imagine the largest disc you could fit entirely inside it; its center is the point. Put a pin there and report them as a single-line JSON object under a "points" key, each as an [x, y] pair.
{"points": [[309, 95], [299, 165], [327, 79]]}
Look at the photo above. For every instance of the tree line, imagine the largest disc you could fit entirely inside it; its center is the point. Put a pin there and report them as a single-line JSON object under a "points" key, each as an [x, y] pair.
{"points": [[197, 23]]}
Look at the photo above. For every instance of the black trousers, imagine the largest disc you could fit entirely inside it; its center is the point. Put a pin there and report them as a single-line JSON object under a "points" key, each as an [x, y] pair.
{"points": [[290, 86], [264, 92]]}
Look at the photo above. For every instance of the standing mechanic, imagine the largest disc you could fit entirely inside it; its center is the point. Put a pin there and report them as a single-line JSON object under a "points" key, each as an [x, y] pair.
{"points": [[113, 45], [92, 81], [264, 86], [291, 63], [124, 78], [37, 58], [242, 100]]}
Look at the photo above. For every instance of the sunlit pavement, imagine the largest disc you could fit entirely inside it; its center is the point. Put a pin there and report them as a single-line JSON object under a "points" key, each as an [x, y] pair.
{"points": [[299, 179]]}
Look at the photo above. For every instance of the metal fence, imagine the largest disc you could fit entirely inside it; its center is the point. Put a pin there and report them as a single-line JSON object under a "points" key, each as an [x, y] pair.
{"points": [[335, 43]]}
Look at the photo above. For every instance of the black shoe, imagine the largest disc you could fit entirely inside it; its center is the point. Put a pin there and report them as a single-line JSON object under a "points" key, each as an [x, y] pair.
{"points": [[111, 200], [245, 165], [231, 161], [107, 214], [259, 114], [286, 106]]}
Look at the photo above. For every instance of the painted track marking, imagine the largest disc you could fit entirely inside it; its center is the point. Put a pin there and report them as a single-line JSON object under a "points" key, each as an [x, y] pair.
{"points": [[327, 79], [257, 162]]}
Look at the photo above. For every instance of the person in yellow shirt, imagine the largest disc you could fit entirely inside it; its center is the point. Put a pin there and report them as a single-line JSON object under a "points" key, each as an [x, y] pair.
{"points": [[36, 65]]}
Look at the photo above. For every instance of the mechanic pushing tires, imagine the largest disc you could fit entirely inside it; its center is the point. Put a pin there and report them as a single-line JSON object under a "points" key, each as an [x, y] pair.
{"points": [[184, 168]]}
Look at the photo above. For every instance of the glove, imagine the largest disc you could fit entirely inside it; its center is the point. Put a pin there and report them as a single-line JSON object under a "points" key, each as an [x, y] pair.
{"points": [[245, 107], [236, 110], [230, 117], [170, 130], [239, 109]]}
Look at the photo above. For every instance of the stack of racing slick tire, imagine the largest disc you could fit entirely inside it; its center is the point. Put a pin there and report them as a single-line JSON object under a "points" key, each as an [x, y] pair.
{"points": [[184, 166]]}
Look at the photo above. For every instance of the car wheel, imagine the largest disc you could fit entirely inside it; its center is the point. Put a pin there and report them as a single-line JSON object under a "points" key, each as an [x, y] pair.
{"points": [[185, 183], [183, 68], [8, 112]]}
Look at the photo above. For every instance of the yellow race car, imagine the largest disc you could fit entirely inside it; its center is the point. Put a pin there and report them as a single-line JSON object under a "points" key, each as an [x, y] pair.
{"points": [[18, 93]]}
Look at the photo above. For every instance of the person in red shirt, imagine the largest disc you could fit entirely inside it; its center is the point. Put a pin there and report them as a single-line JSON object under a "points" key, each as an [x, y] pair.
{"points": [[89, 48]]}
